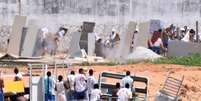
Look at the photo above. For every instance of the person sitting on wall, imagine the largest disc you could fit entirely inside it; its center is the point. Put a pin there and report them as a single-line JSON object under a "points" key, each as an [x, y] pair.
{"points": [[155, 43]]}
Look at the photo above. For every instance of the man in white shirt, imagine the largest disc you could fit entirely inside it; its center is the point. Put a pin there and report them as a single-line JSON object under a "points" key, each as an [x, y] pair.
{"points": [[90, 83], [71, 79], [71, 83], [95, 93], [127, 79], [80, 85], [18, 75], [124, 94]]}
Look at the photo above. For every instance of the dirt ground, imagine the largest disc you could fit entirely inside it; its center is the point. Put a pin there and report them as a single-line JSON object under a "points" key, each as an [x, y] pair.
{"points": [[191, 90]]}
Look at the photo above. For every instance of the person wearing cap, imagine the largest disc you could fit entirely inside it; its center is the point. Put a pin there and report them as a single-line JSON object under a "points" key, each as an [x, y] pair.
{"points": [[113, 37]]}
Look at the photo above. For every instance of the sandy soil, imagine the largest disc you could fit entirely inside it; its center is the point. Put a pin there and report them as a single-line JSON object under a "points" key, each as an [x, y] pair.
{"points": [[191, 90]]}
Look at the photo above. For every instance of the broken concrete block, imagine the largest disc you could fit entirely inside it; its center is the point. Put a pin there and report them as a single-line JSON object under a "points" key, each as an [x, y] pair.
{"points": [[16, 35]]}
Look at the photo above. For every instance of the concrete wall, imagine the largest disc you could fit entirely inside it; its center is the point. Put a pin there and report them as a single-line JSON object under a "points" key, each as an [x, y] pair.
{"points": [[179, 48], [56, 12]]}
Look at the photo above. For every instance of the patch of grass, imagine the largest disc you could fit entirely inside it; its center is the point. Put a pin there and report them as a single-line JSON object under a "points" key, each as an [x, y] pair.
{"points": [[99, 64], [191, 60]]}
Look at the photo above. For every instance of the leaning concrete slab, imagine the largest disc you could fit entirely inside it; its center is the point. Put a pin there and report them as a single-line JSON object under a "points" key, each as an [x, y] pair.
{"points": [[15, 38], [87, 27], [74, 48], [30, 39], [127, 39], [38, 49], [91, 44], [143, 35], [180, 48]]}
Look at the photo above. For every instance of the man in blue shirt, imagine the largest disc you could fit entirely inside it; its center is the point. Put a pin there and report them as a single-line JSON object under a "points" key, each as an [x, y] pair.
{"points": [[49, 87]]}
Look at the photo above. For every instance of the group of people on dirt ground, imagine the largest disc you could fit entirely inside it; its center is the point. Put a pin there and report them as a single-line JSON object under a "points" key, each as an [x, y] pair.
{"points": [[82, 87], [76, 87], [15, 97], [160, 38]]}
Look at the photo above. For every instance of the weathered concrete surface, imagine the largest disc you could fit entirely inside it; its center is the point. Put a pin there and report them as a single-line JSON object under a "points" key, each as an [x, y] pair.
{"points": [[180, 48], [91, 44], [30, 39], [141, 38], [155, 25], [87, 27], [37, 89], [24, 32], [74, 48], [127, 38], [16, 35]]}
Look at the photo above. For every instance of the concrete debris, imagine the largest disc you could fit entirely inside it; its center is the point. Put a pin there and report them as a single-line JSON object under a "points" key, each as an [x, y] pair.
{"points": [[141, 53]]}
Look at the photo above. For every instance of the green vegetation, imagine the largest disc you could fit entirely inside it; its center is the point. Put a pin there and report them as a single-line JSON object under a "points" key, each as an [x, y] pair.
{"points": [[100, 64], [191, 60]]}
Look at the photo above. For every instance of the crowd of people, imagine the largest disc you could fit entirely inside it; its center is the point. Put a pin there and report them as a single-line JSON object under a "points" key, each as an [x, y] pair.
{"points": [[160, 38], [80, 87]]}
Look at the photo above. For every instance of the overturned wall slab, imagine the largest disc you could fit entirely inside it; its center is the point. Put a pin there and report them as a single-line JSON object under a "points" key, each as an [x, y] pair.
{"points": [[180, 48]]}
